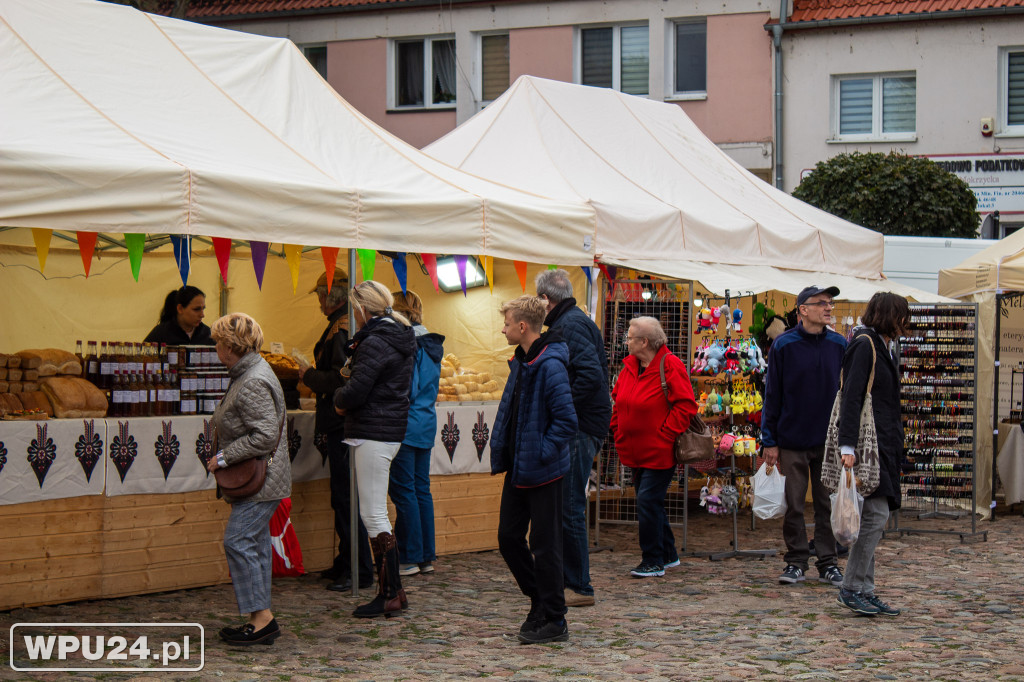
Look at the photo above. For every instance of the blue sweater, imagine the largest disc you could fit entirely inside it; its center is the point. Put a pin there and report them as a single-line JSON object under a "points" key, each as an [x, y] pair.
{"points": [[538, 451], [426, 375], [800, 388]]}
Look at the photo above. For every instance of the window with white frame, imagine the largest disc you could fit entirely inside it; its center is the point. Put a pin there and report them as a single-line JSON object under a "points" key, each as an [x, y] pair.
{"points": [[875, 106], [494, 66], [424, 72], [616, 57], [317, 56], [690, 46], [1012, 96]]}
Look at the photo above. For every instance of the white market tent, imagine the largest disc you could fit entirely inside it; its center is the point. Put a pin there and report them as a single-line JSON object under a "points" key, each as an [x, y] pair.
{"points": [[668, 200], [118, 121]]}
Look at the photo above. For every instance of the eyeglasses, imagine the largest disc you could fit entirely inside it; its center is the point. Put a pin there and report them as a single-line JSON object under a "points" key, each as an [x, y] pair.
{"points": [[822, 304]]}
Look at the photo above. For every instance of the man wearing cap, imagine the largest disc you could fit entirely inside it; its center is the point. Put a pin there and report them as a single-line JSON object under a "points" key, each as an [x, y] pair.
{"points": [[803, 377], [324, 379]]}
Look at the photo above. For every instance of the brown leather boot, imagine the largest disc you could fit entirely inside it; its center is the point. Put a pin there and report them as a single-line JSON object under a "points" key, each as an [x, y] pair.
{"points": [[390, 595]]}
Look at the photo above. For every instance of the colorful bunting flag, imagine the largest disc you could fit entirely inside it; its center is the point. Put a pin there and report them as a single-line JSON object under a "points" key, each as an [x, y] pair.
{"points": [[182, 244], [430, 263], [460, 265], [86, 246], [222, 247], [259, 250], [293, 254], [136, 243], [489, 270], [401, 270], [521, 271], [330, 256], [41, 236], [367, 262]]}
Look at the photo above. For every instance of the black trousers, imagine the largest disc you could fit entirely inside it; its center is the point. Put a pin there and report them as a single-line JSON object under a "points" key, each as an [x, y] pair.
{"points": [[337, 458], [537, 567]]}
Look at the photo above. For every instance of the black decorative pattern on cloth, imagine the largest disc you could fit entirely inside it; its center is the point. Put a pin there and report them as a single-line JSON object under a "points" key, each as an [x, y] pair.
{"points": [[166, 448], [481, 434], [41, 453], [204, 445], [123, 450], [89, 448], [450, 436]]}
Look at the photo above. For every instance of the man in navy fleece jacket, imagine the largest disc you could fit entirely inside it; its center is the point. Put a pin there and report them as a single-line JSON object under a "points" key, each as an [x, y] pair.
{"points": [[803, 378]]}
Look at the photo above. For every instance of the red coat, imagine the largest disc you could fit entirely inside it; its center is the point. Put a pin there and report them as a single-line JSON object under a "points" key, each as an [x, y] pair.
{"points": [[645, 426]]}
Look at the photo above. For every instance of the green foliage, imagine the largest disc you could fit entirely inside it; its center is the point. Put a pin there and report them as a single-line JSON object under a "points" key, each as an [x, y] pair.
{"points": [[893, 194]]}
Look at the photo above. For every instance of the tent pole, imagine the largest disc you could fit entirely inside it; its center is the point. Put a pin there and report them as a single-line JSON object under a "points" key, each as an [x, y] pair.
{"points": [[995, 407], [353, 499]]}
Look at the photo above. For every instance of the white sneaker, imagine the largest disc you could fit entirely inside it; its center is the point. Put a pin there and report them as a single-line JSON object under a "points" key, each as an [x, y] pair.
{"points": [[408, 569], [672, 564]]}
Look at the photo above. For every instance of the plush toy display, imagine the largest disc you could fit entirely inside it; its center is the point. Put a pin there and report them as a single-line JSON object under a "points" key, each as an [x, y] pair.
{"points": [[715, 356], [737, 319], [732, 360], [704, 324]]}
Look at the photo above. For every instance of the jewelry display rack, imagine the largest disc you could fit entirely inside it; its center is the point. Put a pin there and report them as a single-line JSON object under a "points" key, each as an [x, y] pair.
{"points": [[938, 405]]}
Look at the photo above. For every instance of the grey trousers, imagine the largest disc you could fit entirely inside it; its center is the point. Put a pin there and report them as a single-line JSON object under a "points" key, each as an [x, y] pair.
{"points": [[249, 554], [860, 565], [801, 467]]}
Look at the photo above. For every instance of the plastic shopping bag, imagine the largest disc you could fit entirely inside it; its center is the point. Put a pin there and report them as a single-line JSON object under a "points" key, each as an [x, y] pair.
{"points": [[769, 493], [846, 507]]}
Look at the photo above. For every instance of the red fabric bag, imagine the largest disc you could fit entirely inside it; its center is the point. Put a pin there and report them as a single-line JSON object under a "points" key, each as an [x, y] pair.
{"points": [[287, 557]]}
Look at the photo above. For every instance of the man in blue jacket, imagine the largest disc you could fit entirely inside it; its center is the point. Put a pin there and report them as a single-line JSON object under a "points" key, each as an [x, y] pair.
{"points": [[530, 445], [802, 381], [588, 379]]}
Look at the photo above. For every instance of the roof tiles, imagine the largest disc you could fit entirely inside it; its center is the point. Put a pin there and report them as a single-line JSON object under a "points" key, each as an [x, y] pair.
{"points": [[825, 10], [226, 9]]}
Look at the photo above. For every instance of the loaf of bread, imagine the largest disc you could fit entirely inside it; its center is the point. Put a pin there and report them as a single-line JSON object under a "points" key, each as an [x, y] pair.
{"points": [[30, 375], [50, 361], [29, 386], [3, 373], [13, 361], [72, 397], [9, 403], [3, 359], [36, 400], [5, 387], [14, 387], [14, 374]]}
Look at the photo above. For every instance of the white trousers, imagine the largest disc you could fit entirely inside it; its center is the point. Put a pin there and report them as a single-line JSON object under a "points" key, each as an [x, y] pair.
{"points": [[373, 473]]}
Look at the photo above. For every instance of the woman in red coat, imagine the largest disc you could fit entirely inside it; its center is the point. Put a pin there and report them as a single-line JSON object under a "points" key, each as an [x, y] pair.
{"points": [[645, 426]]}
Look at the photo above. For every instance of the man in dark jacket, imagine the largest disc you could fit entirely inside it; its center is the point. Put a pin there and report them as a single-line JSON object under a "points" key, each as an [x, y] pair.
{"points": [[530, 445], [588, 379], [800, 387], [323, 379]]}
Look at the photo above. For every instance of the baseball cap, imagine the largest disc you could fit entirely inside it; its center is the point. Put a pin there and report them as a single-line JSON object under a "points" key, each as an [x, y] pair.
{"points": [[814, 291], [340, 277]]}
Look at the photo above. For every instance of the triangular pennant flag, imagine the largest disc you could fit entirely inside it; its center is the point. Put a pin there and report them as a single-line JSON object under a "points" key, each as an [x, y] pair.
{"points": [[222, 247], [586, 271], [552, 267], [430, 263], [489, 270], [521, 271], [293, 254], [367, 262], [182, 244], [259, 250], [86, 245], [460, 265], [136, 243], [41, 236], [401, 270], [330, 256]]}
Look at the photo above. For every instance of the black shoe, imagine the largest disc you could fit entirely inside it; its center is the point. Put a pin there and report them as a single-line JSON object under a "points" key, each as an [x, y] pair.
{"points": [[343, 584], [332, 574], [842, 550], [248, 635], [856, 602], [551, 631], [646, 570], [228, 631], [792, 574], [883, 608], [533, 621], [831, 575]]}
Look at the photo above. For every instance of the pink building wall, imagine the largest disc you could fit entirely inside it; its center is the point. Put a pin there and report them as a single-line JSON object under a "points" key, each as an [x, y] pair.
{"points": [[542, 52], [357, 69], [739, 103]]}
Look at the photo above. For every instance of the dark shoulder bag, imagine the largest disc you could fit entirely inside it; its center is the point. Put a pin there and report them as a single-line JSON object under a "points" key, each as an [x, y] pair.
{"points": [[695, 443], [246, 478]]}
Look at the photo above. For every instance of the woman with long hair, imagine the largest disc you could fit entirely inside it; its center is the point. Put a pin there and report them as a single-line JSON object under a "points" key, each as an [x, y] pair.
{"points": [[374, 399], [181, 320]]}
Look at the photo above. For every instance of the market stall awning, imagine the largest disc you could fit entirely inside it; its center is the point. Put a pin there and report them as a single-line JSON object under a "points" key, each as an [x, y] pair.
{"points": [[661, 189], [123, 122], [999, 268], [756, 279]]}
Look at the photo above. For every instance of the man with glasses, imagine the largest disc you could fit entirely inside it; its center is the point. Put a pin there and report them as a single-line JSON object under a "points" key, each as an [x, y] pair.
{"points": [[803, 377]]}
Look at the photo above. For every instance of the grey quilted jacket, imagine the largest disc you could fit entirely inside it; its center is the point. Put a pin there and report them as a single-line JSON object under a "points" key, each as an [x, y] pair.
{"points": [[249, 421]]}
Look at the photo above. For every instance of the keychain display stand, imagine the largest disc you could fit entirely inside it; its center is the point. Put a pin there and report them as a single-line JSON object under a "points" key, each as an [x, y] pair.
{"points": [[938, 404]]}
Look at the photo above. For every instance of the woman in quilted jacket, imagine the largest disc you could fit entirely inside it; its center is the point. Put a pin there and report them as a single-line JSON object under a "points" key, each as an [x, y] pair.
{"points": [[374, 400], [249, 423], [868, 357], [645, 424]]}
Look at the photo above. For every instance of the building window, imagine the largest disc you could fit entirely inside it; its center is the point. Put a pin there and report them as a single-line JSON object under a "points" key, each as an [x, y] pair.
{"points": [[494, 66], [691, 57], [882, 107], [317, 56], [1012, 108], [424, 72], [616, 57]]}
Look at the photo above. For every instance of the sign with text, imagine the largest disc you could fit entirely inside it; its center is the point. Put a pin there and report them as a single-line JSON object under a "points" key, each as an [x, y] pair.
{"points": [[997, 180]]}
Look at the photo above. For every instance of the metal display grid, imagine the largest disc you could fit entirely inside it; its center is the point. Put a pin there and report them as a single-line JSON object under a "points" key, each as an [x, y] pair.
{"points": [[938, 403]]}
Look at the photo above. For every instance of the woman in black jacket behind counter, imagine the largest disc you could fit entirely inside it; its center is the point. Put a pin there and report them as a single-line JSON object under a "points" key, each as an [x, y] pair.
{"points": [[375, 402], [884, 320], [181, 320]]}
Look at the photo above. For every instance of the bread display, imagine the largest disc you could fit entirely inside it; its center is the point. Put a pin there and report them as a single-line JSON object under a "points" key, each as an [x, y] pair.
{"points": [[460, 383], [50, 361], [36, 401], [72, 397], [283, 365], [14, 374], [10, 403], [3, 359], [14, 386]]}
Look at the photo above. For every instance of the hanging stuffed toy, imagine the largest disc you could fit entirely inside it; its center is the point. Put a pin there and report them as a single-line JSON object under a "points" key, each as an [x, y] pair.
{"points": [[732, 360], [737, 319], [704, 324], [715, 356], [730, 498], [716, 315]]}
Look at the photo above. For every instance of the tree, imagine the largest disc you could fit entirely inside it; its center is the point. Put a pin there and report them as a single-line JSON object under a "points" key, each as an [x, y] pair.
{"points": [[170, 8], [893, 194]]}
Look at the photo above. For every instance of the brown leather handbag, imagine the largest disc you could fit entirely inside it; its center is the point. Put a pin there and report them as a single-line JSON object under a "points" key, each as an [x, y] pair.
{"points": [[246, 478]]}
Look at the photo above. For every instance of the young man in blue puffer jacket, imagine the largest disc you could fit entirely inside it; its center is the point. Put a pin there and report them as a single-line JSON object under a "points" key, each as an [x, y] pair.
{"points": [[530, 445]]}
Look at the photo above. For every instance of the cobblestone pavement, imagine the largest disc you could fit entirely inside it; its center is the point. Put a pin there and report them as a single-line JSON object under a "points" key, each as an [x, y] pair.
{"points": [[721, 620]]}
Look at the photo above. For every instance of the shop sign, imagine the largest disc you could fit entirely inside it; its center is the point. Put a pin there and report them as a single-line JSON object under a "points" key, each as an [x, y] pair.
{"points": [[997, 180]]}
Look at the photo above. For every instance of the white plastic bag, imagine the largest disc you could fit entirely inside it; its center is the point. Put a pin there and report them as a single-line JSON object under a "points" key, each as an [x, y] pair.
{"points": [[847, 503], [769, 493]]}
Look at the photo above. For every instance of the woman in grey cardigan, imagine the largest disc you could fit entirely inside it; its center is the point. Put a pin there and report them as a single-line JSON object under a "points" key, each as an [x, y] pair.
{"points": [[249, 423]]}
